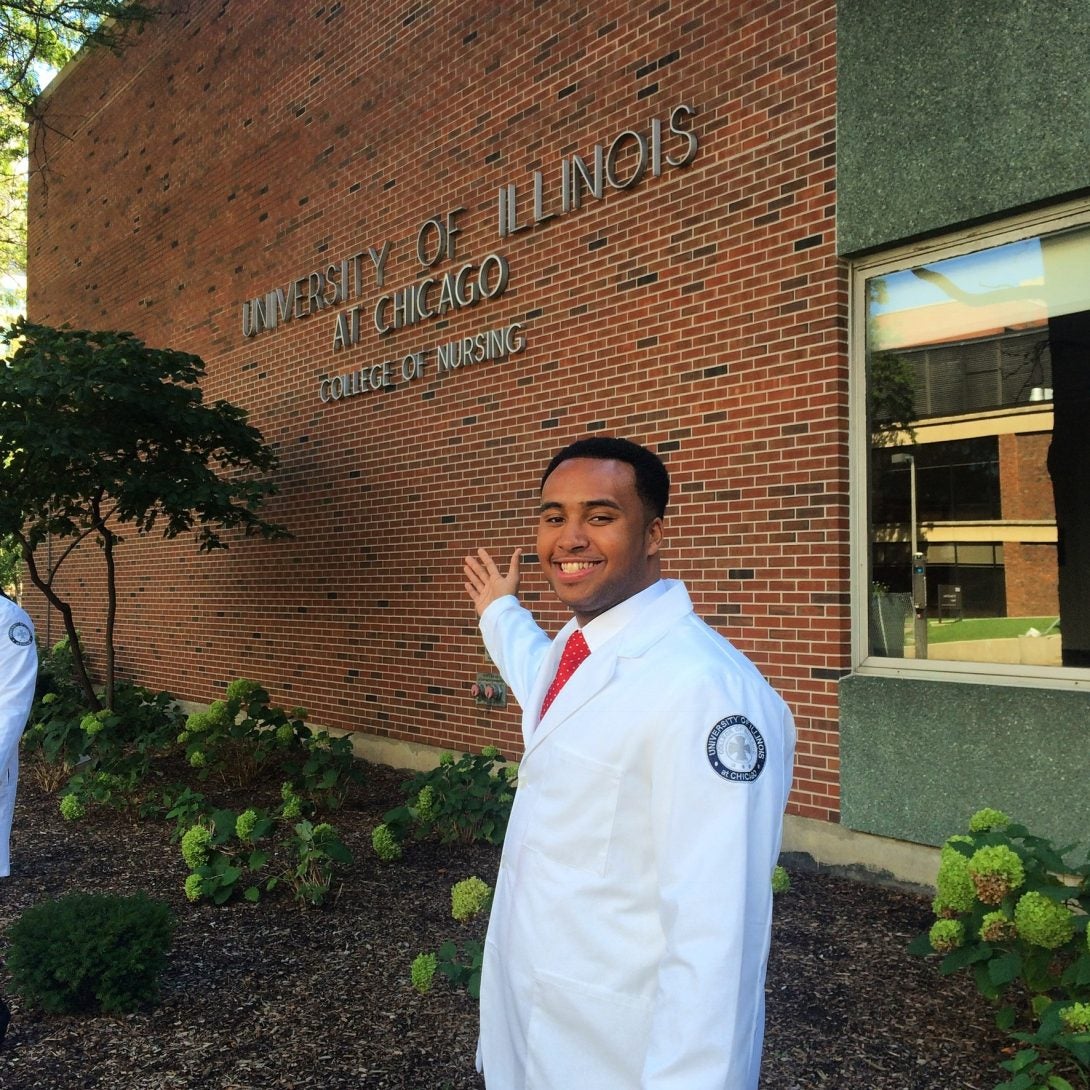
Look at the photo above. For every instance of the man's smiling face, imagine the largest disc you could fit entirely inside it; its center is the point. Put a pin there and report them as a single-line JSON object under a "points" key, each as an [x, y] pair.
{"points": [[596, 541]]}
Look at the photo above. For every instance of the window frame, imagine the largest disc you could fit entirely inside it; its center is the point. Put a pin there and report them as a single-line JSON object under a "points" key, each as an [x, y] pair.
{"points": [[953, 244]]}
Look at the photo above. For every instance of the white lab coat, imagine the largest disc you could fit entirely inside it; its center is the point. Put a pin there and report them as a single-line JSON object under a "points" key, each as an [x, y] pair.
{"points": [[18, 672], [630, 926]]}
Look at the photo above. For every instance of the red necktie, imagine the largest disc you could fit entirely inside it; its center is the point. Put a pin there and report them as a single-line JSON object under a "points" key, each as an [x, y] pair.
{"points": [[575, 650]]}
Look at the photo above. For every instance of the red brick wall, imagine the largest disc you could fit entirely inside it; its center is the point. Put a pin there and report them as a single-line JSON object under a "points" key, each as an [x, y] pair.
{"points": [[1029, 569], [239, 146], [1029, 572], [1024, 482]]}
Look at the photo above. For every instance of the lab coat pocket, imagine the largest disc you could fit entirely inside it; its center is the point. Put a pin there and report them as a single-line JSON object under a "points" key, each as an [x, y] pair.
{"points": [[575, 810], [584, 1036]]}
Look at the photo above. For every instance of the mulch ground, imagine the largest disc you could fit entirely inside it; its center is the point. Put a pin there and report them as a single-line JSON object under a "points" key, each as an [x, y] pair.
{"points": [[272, 996]]}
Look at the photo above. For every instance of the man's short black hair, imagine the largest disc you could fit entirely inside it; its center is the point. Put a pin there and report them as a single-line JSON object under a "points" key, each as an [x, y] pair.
{"points": [[652, 480]]}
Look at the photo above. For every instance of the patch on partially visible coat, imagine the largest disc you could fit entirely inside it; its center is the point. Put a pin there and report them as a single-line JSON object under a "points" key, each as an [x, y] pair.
{"points": [[736, 750]]}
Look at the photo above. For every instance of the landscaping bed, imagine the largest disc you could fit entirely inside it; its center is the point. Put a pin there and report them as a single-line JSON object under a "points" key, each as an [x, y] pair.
{"points": [[270, 995]]}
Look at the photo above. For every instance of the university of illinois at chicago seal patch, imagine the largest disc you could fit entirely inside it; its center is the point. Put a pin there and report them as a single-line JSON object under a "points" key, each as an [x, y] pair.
{"points": [[736, 750], [20, 634]]}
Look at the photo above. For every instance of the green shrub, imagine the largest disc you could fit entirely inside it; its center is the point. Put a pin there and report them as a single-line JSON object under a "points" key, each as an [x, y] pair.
{"points": [[235, 739], [323, 768], [421, 972], [114, 749], [224, 858], [385, 844], [56, 669], [465, 800], [90, 952], [55, 731], [181, 805], [461, 965], [245, 734], [318, 849], [781, 880], [468, 898], [1011, 910]]}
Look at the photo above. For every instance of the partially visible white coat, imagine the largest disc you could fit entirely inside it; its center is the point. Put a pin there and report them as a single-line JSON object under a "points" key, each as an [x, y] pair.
{"points": [[630, 927], [18, 672]]}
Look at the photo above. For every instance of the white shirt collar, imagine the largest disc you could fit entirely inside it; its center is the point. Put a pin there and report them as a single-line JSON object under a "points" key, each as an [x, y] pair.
{"points": [[606, 625]]}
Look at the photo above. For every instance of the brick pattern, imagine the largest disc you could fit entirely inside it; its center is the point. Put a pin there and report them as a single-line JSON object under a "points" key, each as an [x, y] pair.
{"points": [[234, 148], [1029, 569]]}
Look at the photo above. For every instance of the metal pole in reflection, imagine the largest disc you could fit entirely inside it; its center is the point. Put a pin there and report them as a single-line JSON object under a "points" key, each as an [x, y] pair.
{"points": [[917, 564]]}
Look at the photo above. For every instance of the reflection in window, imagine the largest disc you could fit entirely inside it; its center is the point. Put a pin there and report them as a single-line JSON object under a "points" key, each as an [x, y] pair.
{"points": [[978, 372], [956, 480]]}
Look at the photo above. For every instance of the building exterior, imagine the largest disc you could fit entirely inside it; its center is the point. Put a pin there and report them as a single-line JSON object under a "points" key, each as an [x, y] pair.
{"points": [[811, 254]]}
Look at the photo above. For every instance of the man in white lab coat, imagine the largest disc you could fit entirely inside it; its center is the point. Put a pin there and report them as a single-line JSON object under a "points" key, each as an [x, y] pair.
{"points": [[630, 926], [18, 673]]}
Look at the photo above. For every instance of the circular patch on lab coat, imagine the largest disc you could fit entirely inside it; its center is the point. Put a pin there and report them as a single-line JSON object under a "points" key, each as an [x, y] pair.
{"points": [[736, 749], [19, 633]]}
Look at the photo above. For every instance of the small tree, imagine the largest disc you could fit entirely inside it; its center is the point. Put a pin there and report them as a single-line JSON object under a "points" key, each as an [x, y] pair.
{"points": [[98, 432]]}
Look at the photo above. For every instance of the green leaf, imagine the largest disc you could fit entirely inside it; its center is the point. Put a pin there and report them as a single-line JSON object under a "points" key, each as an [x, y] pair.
{"points": [[1024, 1057], [921, 946], [984, 982], [257, 860], [1079, 1047], [963, 956], [1057, 1082], [1005, 1017], [1005, 968], [224, 822], [252, 894], [1079, 972], [338, 852]]}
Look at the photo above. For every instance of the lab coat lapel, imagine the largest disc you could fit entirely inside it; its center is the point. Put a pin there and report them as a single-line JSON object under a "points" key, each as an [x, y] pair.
{"points": [[597, 670], [593, 675], [531, 711]]}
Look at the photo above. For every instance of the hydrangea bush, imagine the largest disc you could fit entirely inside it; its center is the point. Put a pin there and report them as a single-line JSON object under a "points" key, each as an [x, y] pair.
{"points": [[1010, 909], [108, 758], [461, 965], [318, 849], [242, 735], [230, 854], [468, 898], [462, 799], [103, 756]]}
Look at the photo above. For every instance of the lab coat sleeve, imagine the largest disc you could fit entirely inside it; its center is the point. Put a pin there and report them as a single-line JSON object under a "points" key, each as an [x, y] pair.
{"points": [[716, 843], [517, 644], [18, 672]]}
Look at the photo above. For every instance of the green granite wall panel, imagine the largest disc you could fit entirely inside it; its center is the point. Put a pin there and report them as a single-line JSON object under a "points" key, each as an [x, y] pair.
{"points": [[953, 111], [917, 758]]}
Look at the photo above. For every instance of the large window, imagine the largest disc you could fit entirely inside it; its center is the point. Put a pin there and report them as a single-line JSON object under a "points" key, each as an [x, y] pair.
{"points": [[972, 429]]}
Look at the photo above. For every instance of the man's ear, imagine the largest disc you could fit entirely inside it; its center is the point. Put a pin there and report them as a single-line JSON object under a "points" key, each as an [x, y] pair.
{"points": [[655, 531]]}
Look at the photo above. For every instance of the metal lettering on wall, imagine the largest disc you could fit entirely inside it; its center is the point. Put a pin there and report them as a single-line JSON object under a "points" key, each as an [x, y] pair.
{"points": [[620, 165]]}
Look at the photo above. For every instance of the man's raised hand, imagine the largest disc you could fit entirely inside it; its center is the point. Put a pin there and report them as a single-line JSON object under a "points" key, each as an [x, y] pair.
{"points": [[485, 582]]}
